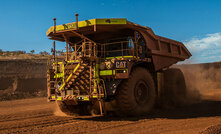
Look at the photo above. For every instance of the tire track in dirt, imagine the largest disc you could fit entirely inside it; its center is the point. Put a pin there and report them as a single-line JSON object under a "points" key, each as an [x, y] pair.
{"points": [[41, 119], [88, 125], [38, 128], [22, 116], [28, 124]]}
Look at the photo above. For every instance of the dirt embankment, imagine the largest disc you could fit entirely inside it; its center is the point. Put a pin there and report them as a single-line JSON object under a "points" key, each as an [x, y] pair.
{"points": [[22, 78]]}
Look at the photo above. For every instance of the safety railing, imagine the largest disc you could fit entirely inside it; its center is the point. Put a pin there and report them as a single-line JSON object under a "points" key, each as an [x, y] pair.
{"points": [[85, 49], [113, 49]]}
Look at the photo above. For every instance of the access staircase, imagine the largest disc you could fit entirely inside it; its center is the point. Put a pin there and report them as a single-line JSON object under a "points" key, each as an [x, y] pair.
{"points": [[82, 83], [77, 79]]}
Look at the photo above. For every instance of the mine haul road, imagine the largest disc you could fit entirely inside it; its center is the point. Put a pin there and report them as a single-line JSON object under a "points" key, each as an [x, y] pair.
{"points": [[36, 115]]}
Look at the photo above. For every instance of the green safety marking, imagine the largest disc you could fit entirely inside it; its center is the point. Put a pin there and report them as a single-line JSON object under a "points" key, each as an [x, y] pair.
{"points": [[59, 98], [86, 98], [59, 75], [118, 57], [107, 72], [86, 23], [74, 61]]}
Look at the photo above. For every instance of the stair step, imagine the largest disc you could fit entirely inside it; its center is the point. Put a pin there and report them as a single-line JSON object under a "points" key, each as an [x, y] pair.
{"points": [[79, 70], [82, 82], [74, 77], [76, 73], [77, 83], [82, 77], [87, 75], [82, 87], [76, 87], [81, 67], [86, 81], [70, 82]]}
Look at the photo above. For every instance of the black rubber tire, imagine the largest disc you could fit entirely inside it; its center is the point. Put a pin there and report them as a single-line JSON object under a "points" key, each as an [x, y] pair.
{"points": [[129, 101], [174, 92], [72, 110]]}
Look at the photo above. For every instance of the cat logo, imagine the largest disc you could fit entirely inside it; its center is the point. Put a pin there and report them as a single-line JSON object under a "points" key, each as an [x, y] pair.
{"points": [[121, 64]]}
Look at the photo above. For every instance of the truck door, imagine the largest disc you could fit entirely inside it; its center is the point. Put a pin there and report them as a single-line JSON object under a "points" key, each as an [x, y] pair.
{"points": [[141, 46]]}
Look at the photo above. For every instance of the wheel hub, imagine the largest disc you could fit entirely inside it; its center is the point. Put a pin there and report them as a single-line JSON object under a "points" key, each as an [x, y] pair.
{"points": [[141, 92]]}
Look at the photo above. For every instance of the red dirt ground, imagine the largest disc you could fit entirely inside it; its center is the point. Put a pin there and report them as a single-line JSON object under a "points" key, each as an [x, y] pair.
{"points": [[38, 116]]}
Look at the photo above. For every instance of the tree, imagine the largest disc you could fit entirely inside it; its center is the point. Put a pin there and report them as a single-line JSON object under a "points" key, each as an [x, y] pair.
{"points": [[43, 53], [17, 52], [32, 51]]}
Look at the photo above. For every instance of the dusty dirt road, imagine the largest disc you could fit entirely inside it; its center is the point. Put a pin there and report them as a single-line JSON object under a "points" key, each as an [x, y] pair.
{"points": [[37, 116]]}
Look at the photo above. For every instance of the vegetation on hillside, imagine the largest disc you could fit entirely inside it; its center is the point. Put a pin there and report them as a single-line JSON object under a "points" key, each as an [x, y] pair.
{"points": [[19, 54]]}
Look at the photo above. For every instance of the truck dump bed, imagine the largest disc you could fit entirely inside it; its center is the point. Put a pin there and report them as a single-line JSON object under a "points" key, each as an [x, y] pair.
{"points": [[163, 51]]}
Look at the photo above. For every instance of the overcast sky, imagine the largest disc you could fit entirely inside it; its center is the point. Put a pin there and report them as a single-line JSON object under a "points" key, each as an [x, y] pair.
{"points": [[197, 23]]}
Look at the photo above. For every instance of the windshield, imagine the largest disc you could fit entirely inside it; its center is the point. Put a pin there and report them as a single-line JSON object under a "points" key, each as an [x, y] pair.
{"points": [[118, 47]]}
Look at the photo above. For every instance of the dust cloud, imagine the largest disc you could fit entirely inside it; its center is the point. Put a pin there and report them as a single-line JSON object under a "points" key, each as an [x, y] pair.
{"points": [[57, 111], [202, 80]]}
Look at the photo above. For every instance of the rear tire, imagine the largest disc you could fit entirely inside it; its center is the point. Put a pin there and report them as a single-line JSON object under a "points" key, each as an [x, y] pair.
{"points": [[174, 92], [136, 95]]}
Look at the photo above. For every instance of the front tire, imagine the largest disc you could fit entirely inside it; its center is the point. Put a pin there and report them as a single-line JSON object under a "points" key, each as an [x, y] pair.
{"points": [[136, 95]]}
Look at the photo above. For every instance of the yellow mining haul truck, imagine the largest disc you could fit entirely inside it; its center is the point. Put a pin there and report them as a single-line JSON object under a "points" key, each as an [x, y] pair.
{"points": [[113, 65]]}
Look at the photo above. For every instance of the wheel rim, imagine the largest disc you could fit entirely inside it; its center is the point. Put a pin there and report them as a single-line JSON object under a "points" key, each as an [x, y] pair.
{"points": [[141, 92]]}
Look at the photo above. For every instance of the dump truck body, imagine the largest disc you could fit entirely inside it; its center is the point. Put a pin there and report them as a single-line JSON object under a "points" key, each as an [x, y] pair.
{"points": [[101, 54]]}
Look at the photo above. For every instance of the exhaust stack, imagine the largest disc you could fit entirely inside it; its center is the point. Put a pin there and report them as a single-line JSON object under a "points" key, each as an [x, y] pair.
{"points": [[76, 21]]}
